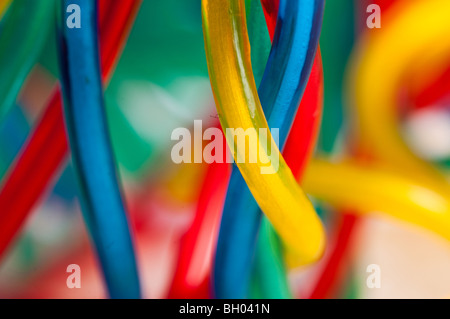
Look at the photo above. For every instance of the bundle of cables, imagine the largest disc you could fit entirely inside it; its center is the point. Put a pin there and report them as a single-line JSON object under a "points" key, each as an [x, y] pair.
{"points": [[253, 221]]}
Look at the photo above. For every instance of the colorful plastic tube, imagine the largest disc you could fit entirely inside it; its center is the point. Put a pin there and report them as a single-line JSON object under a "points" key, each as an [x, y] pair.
{"points": [[381, 62], [329, 274], [333, 274], [270, 278], [24, 30], [369, 189], [280, 91], [198, 245], [269, 266], [192, 278], [238, 106], [337, 41], [431, 92], [92, 155], [47, 148], [422, 91]]}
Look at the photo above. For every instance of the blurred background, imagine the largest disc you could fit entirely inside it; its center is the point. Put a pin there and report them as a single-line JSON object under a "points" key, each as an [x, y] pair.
{"points": [[161, 83]]}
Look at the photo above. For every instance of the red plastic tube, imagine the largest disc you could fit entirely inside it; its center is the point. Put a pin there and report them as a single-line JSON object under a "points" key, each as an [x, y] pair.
{"points": [[192, 276], [39, 162], [271, 12], [302, 137], [331, 276]]}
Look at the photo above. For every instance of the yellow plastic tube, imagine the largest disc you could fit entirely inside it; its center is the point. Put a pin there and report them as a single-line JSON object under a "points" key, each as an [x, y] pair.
{"points": [[278, 194], [420, 32], [369, 189]]}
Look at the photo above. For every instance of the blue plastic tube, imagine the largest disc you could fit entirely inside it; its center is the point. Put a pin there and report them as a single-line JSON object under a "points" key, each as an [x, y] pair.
{"points": [[284, 81], [92, 156]]}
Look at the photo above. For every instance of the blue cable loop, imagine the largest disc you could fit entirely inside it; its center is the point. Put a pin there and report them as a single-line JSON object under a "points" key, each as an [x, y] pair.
{"points": [[284, 81], [92, 155]]}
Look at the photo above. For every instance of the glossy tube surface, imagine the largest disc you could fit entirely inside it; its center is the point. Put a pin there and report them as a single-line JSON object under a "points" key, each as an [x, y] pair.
{"points": [[283, 83], [92, 155], [269, 267], [238, 106], [370, 189], [47, 148]]}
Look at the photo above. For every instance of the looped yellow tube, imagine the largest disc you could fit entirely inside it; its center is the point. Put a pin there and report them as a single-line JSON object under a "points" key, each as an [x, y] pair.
{"points": [[401, 185], [277, 193], [418, 32]]}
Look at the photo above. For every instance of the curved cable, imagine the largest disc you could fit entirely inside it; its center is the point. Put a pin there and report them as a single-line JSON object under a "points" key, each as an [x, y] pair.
{"points": [[287, 207], [269, 265], [198, 245], [22, 36], [280, 91], [330, 277], [329, 273], [192, 276], [373, 189], [374, 91], [92, 155], [47, 148], [196, 251], [270, 273], [337, 41], [302, 140]]}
